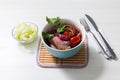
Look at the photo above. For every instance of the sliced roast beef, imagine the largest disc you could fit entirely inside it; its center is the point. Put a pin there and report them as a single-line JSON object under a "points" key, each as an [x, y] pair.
{"points": [[59, 44], [51, 45]]}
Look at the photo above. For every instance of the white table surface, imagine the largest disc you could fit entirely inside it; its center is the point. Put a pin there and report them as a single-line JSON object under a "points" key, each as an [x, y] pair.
{"points": [[18, 62]]}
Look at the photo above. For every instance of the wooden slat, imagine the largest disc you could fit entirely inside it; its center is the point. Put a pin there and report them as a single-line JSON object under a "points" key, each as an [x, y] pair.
{"points": [[46, 58]]}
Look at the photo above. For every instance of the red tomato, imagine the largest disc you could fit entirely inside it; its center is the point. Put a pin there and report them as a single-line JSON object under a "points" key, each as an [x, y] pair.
{"points": [[74, 40], [66, 33]]}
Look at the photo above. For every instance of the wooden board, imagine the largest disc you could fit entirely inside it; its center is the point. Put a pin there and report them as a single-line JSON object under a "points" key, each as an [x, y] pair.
{"points": [[45, 59]]}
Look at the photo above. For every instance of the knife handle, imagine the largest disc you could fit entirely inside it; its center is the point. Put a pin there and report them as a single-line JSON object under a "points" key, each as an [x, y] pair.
{"points": [[106, 52], [112, 53]]}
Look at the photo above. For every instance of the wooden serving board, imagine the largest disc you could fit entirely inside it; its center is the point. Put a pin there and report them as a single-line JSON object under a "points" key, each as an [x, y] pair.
{"points": [[45, 59]]}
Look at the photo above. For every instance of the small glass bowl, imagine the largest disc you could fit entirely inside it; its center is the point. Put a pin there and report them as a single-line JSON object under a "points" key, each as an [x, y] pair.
{"points": [[29, 40]]}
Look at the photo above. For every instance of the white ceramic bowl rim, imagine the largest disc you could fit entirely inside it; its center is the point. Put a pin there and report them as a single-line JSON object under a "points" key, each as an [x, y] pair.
{"points": [[78, 26]]}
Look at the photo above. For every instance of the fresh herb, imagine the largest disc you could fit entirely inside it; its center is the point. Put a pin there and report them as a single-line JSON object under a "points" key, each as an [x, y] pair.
{"points": [[52, 20], [47, 35], [61, 28]]}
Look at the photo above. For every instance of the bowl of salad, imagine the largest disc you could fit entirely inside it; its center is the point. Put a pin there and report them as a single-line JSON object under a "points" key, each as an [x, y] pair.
{"points": [[63, 38], [25, 32]]}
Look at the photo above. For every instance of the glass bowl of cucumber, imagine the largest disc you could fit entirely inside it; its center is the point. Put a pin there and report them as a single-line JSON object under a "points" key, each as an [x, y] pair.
{"points": [[25, 32]]}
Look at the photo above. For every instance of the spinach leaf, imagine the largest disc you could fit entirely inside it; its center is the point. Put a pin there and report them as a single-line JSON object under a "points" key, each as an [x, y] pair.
{"points": [[61, 28], [47, 35], [52, 20]]}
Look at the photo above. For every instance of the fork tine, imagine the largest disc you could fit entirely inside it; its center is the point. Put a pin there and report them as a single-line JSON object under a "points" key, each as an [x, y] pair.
{"points": [[84, 23]]}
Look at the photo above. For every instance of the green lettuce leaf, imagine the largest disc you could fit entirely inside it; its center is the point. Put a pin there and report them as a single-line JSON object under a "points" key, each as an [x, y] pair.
{"points": [[47, 35], [61, 28], [52, 20]]}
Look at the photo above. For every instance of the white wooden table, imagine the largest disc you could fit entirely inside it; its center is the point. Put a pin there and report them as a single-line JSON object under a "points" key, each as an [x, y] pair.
{"points": [[18, 62]]}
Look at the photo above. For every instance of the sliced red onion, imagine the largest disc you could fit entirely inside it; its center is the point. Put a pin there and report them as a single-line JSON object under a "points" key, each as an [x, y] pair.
{"points": [[77, 31], [63, 37]]}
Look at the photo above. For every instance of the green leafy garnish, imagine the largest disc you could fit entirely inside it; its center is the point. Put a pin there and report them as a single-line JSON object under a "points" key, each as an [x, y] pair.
{"points": [[52, 20], [61, 28], [47, 35]]}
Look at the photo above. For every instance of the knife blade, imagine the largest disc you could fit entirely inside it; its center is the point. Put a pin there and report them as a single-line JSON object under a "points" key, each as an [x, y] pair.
{"points": [[112, 53]]}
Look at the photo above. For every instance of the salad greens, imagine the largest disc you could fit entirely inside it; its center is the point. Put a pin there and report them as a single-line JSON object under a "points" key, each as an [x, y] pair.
{"points": [[47, 35], [61, 28], [62, 33], [55, 20], [52, 20]]}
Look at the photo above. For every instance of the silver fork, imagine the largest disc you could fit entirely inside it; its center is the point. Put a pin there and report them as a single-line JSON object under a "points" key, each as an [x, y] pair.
{"points": [[87, 28]]}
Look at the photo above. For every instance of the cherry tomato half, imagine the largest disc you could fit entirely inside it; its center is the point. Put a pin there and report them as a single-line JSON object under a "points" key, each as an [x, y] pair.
{"points": [[75, 40], [66, 33]]}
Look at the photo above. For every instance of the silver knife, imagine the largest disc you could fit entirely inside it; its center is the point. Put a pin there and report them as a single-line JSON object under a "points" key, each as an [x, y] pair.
{"points": [[112, 53], [88, 29]]}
